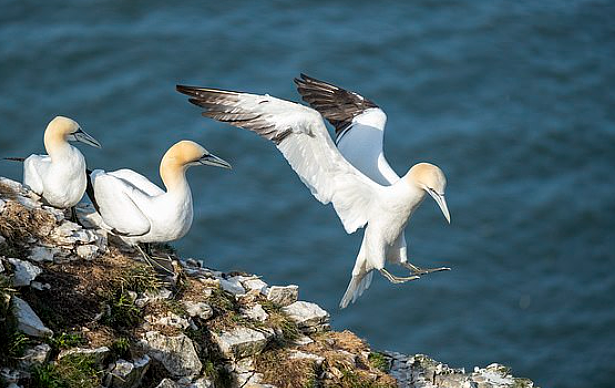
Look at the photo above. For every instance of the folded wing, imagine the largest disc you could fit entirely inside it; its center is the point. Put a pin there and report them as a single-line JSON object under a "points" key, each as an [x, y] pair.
{"points": [[300, 134], [118, 201]]}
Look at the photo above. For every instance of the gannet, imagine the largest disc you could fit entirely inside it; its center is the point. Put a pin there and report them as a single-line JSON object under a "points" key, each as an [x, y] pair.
{"points": [[59, 177], [299, 132], [138, 211], [359, 135]]}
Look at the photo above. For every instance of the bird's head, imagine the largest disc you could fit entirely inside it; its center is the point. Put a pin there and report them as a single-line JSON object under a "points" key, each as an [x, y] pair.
{"points": [[63, 129], [430, 178], [187, 153]]}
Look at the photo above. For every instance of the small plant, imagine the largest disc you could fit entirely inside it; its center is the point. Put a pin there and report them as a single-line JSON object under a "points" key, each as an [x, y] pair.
{"points": [[121, 347], [123, 314], [379, 361], [46, 376], [65, 341]]}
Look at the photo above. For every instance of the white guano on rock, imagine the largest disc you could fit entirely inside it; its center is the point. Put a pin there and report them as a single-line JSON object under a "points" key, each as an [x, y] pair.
{"points": [[308, 316], [176, 353]]}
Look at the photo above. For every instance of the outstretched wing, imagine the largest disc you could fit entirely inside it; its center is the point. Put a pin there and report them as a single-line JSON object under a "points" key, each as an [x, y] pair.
{"points": [[300, 134], [359, 126]]}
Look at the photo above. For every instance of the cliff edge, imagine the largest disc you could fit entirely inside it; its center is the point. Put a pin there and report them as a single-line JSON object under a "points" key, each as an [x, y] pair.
{"points": [[78, 309]]}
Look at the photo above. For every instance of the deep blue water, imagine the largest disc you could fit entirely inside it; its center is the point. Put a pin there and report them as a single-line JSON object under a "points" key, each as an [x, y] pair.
{"points": [[514, 100]]}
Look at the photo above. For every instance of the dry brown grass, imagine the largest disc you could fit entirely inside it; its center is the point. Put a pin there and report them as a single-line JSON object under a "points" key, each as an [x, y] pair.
{"points": [[19, 224], [280, 370], [7, 191]]}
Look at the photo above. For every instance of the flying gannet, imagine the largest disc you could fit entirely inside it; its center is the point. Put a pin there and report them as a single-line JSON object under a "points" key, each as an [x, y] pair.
{"points": [[59, 177], [300, 134], [359, 135], [138, 211]]}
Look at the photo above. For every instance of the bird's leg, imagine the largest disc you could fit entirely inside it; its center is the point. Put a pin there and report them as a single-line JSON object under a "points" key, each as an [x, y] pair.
{"points": [[154, 263], [396, 279], [422, 271]]}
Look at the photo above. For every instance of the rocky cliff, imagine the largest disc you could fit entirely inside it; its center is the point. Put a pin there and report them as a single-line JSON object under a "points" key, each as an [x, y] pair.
{"points": [[78, 309]]}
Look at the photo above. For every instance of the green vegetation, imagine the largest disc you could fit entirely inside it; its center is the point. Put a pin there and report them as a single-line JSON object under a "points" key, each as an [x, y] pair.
{"points": [[121, 348], [72, 371], [122, 313], [351, 379], [379, 361], [12, 341], [66, 341]]}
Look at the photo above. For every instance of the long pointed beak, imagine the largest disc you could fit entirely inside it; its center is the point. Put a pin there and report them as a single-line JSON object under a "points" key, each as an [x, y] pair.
{"points": [[441, 201], [83, 137], [213, 160]]}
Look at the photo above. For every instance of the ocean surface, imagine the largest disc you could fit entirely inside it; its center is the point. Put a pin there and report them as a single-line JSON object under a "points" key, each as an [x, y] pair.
{"points": [[514, 100]]}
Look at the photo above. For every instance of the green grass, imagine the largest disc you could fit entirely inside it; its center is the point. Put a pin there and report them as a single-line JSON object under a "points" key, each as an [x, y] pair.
{"points": [[121, 347], [66, 341], [72, 371], [379, 361], [123, 314]]}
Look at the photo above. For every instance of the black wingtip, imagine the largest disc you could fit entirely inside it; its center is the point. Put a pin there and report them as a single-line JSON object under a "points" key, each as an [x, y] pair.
{"points": [[14, 159]]}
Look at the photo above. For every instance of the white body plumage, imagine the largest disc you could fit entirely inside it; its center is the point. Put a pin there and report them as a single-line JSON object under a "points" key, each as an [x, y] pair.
{"points": [[59, 177]]}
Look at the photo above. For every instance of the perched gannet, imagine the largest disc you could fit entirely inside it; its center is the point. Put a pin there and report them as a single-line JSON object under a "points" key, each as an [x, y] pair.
{"points": [[300, 134], [59, 177], [359, 135], [138, 211]]}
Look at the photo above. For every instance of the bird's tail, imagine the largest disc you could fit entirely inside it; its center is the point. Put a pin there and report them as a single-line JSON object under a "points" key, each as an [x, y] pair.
{"points": [[89, 189], [12, 159], [358, 285]]}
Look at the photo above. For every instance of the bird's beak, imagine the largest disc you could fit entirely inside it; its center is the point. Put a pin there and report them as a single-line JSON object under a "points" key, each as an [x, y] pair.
{"points": [[213, 160], [441, 201], [83, 137]]}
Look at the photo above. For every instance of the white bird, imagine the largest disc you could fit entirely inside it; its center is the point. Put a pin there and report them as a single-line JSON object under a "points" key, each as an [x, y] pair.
{"points": [[359, 135], [138, 211], [59, 177], [300, 134]]}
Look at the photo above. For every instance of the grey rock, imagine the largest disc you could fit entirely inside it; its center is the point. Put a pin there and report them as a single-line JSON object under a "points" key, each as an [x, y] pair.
{"points": [[170, 320], [152, 296], [27, 320], [176, 353], [256, 313], [98, 355], [87, 252], [421, 371], [308, 316], [9, 375], [283, 296], [241, 342], [201, 383], [39, 354], [198, 309], [40, 253], [30, 203], [255, 284], [2, 239], [13, 385], [2, 269], [40, 286], [167, 383], [24, 272], [2, 206], [126, 374], [299, 355], [57, 213], [69, 233], [232, 285]]}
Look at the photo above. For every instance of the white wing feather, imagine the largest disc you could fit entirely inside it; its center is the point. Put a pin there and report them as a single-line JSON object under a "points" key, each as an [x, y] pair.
{"points": [[300, 134], [118, 203], [138, 180]]}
